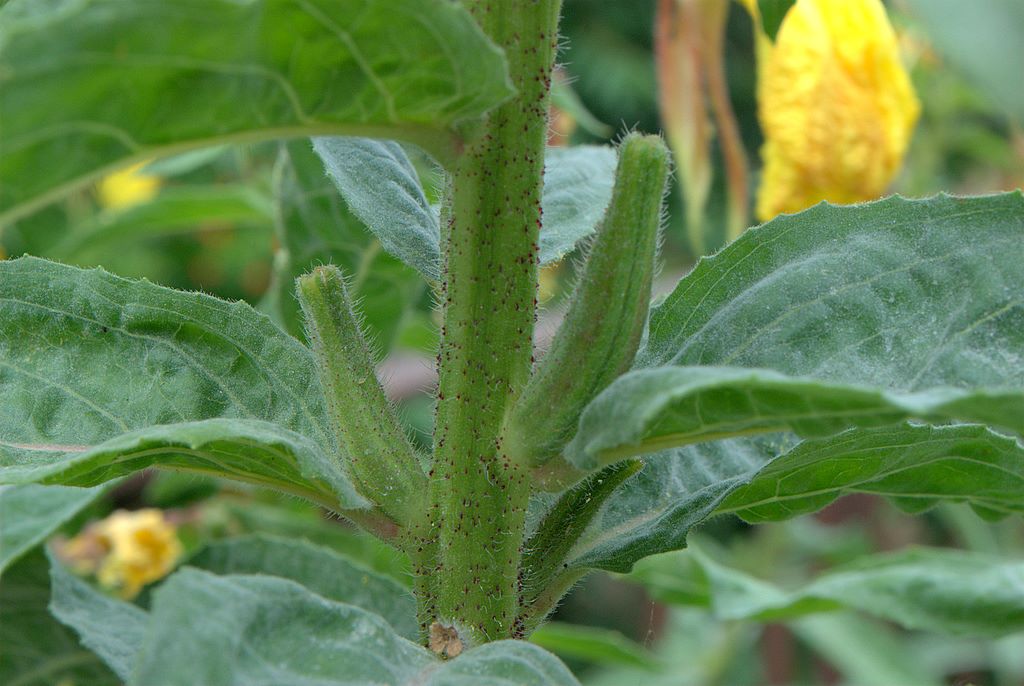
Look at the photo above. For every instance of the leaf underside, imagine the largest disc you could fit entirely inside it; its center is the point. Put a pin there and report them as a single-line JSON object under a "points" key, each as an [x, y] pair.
{"points": [[77, 103]]}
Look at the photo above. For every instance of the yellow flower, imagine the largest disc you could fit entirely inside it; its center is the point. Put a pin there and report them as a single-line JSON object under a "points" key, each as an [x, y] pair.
{"points": [[128, 187], [125, 551], [835, 103]]}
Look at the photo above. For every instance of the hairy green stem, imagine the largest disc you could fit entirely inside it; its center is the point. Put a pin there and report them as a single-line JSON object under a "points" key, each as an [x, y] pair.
{"points": [[478, 494], [605, 322], [380, 458]]}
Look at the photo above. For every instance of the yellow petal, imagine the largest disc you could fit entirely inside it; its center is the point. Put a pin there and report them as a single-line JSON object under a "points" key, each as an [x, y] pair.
{"points": [[836, 106]]}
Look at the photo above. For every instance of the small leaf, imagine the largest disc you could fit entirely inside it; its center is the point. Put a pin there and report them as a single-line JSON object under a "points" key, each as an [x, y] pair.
{"points": [[35, 649], [234, 72], [111, 628], [257, 629], [381, 187], [666, 407], [30, 513], [578, 184], [315, 227], [654, 511], [319, 569], [937, 590]]}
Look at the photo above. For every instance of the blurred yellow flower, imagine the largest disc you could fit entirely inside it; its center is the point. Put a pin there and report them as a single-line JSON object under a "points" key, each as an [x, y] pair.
{"points": [[125, 551], [128, 187], [836, 105]]}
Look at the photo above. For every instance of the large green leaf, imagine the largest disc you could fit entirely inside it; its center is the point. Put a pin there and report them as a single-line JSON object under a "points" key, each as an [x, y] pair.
{"points": [[29, 513], [665, 407], [382, 188], [115, 629], [938, 590], [900, 294], [111, 628], [982, 39], [315, 227], [896, 294], [92, 84], [257, 630], [96, 370], [35, 650], [320, 570]]}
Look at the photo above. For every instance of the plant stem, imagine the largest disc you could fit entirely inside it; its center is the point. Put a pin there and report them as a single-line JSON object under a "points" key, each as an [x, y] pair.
{"points": [[478, 495], [605, 322], [379, 456]]}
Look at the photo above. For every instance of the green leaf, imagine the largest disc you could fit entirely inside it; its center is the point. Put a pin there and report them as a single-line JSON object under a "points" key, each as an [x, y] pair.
{"points": [[111, 628], [30, 513], [915, 465], [88, 361], [315, 227], [257, 629], [898, 294], [593, 644], [382, 188], [578, 184], [244, 449], [654, 511], [903, 295], [772, 13], [178, 210], [202, 72], [945, 591], [666, 407], [981, 39], [35, 649], [320, 570]]}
